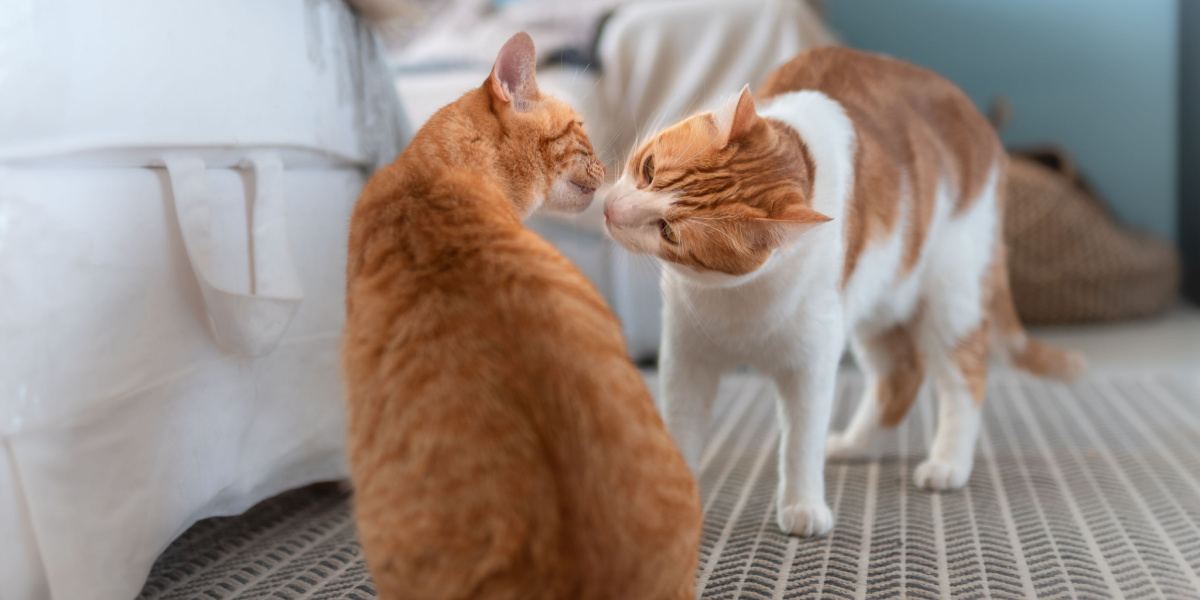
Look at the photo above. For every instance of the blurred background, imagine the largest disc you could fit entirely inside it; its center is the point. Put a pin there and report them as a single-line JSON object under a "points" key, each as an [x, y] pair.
{"points": [[1091, 98], [176, 179]]}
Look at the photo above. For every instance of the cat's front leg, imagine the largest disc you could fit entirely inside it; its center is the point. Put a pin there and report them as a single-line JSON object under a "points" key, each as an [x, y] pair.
{"points": [[688, 388], [805, 404]]}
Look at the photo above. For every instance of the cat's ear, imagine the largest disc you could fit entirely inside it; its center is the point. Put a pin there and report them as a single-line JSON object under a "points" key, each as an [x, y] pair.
{"points": [[794, 221], [513, 79], [738, 117]]}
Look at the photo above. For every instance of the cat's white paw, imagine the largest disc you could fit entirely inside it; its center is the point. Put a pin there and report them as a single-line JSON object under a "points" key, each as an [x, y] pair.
{"points": [[940, 475], [805, 519], [839, 446]]}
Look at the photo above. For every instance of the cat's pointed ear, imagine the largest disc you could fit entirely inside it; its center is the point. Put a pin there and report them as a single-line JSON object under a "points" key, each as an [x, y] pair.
{"points": [[513, 78], [739, 116], [794, 221]]}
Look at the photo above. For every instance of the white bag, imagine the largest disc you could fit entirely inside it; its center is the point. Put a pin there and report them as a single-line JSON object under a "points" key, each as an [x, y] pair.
{"points": [[176, 180]]}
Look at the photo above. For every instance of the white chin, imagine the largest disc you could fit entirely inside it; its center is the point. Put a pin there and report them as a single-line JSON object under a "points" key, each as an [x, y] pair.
{"points": [[632, 241], [566, 197], [569, 205]]}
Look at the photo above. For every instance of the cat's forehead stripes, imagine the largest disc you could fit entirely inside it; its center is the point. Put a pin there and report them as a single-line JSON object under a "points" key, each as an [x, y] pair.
{"points": [[570, 127], [681, 143], [764, 172]]}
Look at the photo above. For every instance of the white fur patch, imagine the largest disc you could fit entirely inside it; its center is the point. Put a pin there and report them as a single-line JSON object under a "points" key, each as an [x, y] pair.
{"points": [[959, 251], [631, 215]]}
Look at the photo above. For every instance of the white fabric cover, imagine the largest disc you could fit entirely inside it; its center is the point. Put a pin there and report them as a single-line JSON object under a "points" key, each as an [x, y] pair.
{"points": [[667, 59], [176, 181], [664, 60], [124, 421]]}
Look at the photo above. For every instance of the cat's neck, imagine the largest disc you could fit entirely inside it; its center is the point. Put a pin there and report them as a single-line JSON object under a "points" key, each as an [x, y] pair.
{"points": [[456, 140], [828, 134], [791, 152]]}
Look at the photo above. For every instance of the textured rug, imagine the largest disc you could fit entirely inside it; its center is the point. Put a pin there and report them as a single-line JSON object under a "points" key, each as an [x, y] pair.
{"points": [[1090, 490]]}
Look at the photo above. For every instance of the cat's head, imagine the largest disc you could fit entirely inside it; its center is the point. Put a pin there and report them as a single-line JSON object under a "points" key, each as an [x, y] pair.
{"points": [[716, 192], [542, 153]]}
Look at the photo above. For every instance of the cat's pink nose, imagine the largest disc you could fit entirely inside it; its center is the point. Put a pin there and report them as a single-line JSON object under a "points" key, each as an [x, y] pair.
{"points": [[616, 212]]}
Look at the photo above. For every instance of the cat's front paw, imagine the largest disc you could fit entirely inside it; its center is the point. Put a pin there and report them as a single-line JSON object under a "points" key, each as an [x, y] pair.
{"points": [[805, 519], [940, 475], [840, 446]]}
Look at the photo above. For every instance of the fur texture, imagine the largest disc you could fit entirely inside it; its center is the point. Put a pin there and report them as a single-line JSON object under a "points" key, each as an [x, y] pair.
{"points": [[858, 208], [501, 443]]}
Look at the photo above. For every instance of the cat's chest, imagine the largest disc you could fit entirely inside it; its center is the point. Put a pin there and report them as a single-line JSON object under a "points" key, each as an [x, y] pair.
{"points": [[745, 320]]}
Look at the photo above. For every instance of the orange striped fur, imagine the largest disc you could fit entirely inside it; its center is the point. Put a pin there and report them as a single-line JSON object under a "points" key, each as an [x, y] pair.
{"points": [[501, 443]]}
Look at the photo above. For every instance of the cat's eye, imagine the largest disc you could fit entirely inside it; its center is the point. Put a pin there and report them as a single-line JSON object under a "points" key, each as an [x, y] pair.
{"points": [[648, 170], [666, 232]]}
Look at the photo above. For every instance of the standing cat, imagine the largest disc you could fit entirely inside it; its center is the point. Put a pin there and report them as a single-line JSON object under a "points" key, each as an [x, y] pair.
{"points": [[501, 444], [861, 205]]}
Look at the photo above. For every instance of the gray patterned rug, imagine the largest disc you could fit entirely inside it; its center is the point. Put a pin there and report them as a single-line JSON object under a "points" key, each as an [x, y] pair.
{"points": [[1090, 490]]}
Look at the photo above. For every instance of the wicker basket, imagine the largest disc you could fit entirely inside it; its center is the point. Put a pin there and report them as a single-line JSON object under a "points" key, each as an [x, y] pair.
{"points": [[1069, 259]]}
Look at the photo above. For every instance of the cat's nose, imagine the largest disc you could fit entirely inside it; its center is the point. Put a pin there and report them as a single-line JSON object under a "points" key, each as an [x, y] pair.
{"points": [[617, 210]]}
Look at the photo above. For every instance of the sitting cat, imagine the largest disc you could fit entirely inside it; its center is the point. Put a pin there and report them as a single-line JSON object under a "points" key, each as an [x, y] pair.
{"points": [[860, 205], [501, 443]]}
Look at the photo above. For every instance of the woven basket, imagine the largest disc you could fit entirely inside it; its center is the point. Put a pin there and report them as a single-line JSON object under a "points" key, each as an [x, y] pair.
{"points": [[1068, 258]]}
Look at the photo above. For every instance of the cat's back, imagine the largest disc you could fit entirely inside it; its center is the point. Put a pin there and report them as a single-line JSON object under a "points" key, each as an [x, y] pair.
{"points": [[868, 82], [493, 411], [839, 70], [903, 108], [449, 294], [437, 450]]}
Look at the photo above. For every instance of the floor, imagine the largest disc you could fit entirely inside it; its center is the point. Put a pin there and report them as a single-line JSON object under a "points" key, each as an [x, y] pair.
{"points": [[1087, 490], [1169, 343]]}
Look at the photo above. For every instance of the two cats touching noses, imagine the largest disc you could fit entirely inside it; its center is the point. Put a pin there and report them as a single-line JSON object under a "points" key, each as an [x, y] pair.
{"points": [[501, 443]]}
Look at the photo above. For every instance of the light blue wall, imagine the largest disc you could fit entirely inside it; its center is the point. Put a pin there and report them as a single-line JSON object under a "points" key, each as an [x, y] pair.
{"points": [[1098, 76]]}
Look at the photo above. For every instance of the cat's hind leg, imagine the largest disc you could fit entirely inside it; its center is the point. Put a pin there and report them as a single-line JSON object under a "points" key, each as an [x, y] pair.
{"points": [[959, 372], [952, 334], [893, 372]]}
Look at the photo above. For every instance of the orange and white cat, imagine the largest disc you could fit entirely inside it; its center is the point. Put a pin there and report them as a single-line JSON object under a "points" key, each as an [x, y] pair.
{"points": [[501, 444], [860, 205]]}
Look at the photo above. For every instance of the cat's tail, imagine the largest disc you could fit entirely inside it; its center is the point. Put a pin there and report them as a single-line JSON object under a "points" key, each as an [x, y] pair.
{"points": [[1013, 343]]}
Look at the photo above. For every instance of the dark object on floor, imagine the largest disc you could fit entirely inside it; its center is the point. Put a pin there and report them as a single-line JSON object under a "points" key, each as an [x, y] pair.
{"points": [[1188, 232], [1090, 490], [1069, 259]]}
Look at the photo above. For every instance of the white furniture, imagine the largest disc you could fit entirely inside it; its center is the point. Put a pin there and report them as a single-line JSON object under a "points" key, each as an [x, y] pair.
{"points": [[176, 180], [659, 60]]}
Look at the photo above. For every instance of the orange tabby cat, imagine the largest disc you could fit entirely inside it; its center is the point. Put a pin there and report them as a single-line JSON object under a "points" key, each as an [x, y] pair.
{"points": [[501, 444]]}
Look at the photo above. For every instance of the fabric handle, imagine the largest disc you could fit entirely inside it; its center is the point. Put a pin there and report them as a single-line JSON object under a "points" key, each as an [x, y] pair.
{"points": [[251, 322]]}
